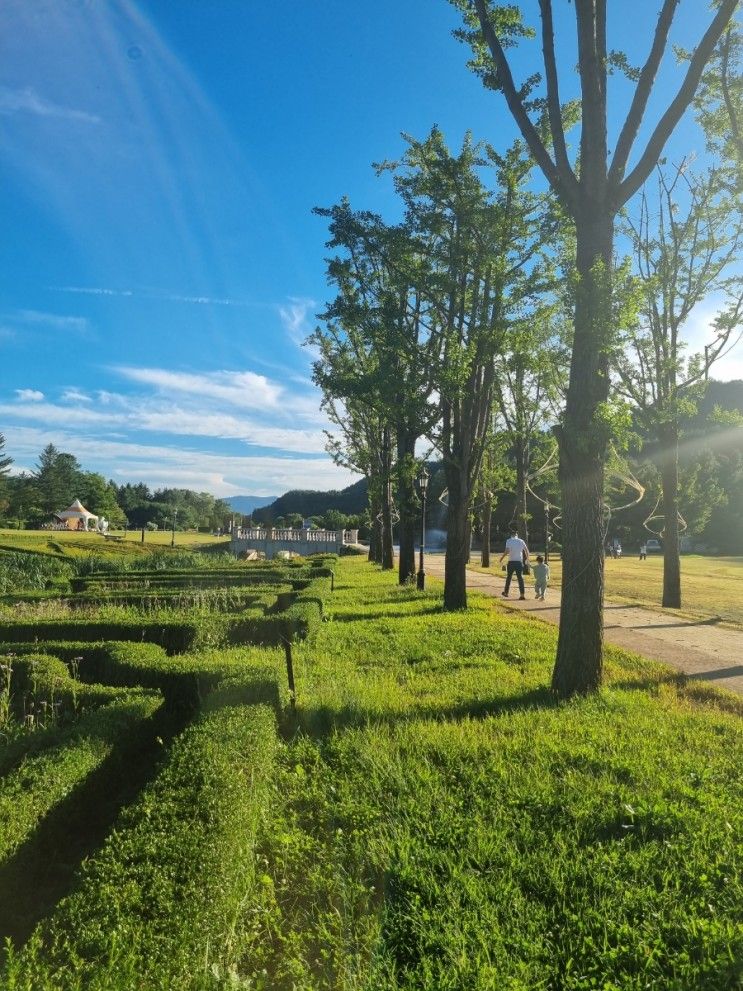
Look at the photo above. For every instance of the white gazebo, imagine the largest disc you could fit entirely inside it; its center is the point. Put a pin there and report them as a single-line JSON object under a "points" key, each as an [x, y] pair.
{"points": [[76, 514]]}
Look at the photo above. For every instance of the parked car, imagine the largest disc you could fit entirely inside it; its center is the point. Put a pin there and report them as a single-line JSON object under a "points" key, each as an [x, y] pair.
{"points": [[653, 546]]}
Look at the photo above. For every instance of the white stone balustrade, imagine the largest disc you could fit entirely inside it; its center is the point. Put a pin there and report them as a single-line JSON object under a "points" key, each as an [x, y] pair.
{"points": [[270, 540]]}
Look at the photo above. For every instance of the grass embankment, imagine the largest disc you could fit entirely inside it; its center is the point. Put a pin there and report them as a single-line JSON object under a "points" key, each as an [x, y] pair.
{"points": [[710, 586]]}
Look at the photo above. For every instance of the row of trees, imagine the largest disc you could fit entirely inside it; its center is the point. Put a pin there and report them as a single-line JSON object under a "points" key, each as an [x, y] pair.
{"points": [[32, 499], [493, 309]]}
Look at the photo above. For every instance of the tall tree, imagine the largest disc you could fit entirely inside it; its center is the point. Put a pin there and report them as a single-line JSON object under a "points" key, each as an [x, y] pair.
{"points": [[592, 193], [529, 376], [56, 479], [379, 320], [483, 252], [686, 241]]}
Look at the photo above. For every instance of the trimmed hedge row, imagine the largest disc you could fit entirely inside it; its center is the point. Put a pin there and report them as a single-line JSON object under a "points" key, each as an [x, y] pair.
{"points": [[183, 680], [202, 579], [175, 637], [165, 903], [299, 621], [42, 780], [175, 579], [256, 597], [42, 683]]}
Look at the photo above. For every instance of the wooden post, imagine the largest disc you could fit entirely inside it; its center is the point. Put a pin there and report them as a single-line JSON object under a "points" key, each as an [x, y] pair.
{"points": [[290, 671]]}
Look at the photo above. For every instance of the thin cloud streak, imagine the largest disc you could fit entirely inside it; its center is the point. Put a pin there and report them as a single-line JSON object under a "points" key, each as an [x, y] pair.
{"points": [[160, 296], [28, 101]]}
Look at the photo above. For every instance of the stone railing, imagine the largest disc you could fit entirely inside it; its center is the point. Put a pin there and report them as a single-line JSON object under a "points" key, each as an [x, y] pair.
{"points": [[298, 536]]}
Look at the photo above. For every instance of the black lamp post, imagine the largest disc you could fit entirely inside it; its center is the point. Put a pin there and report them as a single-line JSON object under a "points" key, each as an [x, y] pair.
{"points": [[172, 536], [422, 487]]}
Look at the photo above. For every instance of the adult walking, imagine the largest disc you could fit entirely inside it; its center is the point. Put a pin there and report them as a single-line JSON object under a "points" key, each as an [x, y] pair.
{"points": [[518, 555], [643, 551]]}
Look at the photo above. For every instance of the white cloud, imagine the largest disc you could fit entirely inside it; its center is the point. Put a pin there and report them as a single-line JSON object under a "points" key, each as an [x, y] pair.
{"points": [[28, 101], [74, 395], [136, 414], [54, 320], [196, 469], [29, 395], [244, 389], [294, 317], [37, 410]]}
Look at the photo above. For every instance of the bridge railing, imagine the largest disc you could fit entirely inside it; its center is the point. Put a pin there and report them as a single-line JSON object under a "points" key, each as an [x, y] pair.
{"points": [[290, 534]]}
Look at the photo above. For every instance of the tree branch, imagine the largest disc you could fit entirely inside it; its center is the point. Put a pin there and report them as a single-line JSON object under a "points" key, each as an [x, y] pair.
{"points": [[624, 190], [559, 182], [642, 92], [553, 93]]}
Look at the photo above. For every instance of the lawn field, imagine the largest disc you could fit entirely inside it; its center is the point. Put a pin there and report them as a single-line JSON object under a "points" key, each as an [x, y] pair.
{"points": [[426, 817], [78, 544], [710, 586]]}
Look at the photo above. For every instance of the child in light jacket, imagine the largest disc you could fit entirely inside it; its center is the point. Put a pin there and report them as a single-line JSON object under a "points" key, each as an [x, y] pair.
{"points": [[541, 572]]}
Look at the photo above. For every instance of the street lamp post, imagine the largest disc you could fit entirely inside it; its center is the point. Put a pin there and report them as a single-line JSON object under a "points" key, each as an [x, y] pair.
{"points": [[422, 487], [546, 531], [172, 537]]}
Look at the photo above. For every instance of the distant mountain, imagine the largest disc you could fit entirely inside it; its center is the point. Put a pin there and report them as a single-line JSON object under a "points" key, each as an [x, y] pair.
{"points": [[311, 502], [247, 503]]}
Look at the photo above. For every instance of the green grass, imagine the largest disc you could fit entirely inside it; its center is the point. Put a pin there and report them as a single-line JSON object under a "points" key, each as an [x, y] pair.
{"points": [[438, 822], [75, 542], [710, 586], [427, 818]]}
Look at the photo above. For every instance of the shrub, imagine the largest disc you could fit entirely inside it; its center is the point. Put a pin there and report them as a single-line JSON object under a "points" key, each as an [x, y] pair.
{"points": [[175, 637], [165, 903], [30, 791]]}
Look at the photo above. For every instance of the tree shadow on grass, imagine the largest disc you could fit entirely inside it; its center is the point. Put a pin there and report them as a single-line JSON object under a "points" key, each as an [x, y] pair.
{"points": [[694, 687], [319, 722]]}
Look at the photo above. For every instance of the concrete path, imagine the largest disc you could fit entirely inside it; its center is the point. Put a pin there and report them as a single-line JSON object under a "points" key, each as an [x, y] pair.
{"points": [[699, 648]]}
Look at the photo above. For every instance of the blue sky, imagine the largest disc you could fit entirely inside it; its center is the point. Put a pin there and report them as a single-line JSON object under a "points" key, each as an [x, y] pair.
{"points": [[158, 167]]}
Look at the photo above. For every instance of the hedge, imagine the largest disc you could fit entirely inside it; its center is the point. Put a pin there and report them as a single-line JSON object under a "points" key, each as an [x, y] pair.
{"points": [[42, 780], [42, 686], [165, 903], [188, 579], [175, 637], [183, 680]]}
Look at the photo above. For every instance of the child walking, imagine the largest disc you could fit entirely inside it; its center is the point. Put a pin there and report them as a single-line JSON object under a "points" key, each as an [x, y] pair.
{"points": [[541, 577]]}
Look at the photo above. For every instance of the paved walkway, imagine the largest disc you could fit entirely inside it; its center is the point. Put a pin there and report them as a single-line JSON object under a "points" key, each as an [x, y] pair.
{"points": [[699, 648]]}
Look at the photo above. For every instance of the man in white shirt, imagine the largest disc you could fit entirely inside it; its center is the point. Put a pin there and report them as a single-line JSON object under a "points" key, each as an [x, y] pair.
{"points": [[518, 555]]}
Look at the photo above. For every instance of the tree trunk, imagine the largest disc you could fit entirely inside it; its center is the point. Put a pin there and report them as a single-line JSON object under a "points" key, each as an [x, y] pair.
{"points": [[487, 520], [375, 531], [583, 443], [458, 538], [669, 438], [409, 506], [388, 553], [522, 470]]}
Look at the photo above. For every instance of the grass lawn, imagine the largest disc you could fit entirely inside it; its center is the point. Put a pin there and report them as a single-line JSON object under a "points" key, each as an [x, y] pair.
{"points": [[710, 586], [428, 818], [76, 544], [439, 822]]}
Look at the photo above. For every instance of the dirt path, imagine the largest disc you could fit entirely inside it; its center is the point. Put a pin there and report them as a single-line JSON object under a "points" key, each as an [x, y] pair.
{"points": [[698, 648]]}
